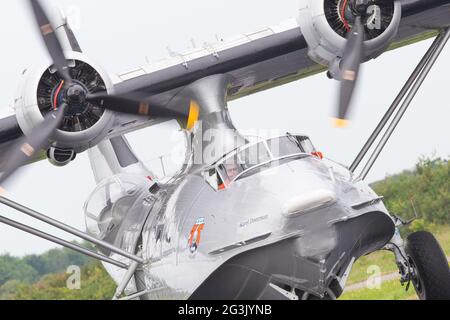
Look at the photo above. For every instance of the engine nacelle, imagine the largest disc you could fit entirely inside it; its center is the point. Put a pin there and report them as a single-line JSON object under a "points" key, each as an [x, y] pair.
{"points": [[323, 26], [84, 124]]}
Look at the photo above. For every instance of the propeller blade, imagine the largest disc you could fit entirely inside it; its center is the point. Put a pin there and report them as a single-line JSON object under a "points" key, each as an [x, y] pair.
{"points": [[194, 115], [123, 104], [27, 147], [350, 65], [51, 41]]}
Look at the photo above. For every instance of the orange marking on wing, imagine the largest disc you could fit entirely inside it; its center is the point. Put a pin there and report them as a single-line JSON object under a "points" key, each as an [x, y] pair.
{"points": [[27, 149], [46, 29], [144, 108]]}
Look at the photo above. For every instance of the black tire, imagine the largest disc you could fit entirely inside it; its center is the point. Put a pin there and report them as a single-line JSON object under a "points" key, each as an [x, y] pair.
{"points": [[432, 273]]}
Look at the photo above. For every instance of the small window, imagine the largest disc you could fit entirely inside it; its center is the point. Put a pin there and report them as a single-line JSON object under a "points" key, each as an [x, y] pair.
{"points": [[285, 146], [212, 178], [307, 145]]}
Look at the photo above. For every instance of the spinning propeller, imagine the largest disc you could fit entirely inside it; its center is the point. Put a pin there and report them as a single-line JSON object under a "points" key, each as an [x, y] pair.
{"points": [[354, 52], [39, 138]]}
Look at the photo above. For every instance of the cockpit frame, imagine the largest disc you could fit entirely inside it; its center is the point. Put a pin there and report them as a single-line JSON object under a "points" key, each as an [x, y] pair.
{"points": [[216, 175]]}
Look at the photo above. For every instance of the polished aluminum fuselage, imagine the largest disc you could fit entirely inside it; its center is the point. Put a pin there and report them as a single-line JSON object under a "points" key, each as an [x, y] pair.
{"points": [[298, 209]]}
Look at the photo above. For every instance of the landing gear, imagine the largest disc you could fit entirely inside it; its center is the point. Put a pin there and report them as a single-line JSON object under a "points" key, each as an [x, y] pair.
{"points": [[422, 264], [430, 274]]}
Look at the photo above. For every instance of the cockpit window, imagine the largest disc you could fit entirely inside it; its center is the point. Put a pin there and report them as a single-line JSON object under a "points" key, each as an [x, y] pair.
{"points": [[228, 172], [307, 145], [285, 146], [258, 157], [254, 155], [212, 177]]}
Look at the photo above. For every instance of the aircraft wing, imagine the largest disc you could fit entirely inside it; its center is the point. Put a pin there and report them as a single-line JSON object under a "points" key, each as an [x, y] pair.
{"points": [[263, 59], [269, 57]]}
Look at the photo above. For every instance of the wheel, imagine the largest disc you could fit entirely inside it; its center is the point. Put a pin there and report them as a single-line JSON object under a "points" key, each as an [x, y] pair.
{"points": [[431, 273]]}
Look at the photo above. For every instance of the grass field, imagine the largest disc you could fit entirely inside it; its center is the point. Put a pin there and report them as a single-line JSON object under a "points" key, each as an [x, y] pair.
{"points": [[389, 290]]}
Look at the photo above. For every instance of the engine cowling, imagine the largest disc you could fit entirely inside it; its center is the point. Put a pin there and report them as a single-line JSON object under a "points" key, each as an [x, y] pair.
{"points": [[85, 124], [323, 24]]}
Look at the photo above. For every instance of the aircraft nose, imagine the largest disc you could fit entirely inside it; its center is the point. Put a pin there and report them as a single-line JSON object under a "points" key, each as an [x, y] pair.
{"points": [[309, 201]]}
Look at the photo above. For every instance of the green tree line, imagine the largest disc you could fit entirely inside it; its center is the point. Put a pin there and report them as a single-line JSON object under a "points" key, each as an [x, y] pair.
{"points": [[23, 272], [424, 191]]}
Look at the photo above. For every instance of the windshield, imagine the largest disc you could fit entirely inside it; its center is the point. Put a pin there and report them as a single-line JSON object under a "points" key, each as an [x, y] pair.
{"points": [[257, 157]]}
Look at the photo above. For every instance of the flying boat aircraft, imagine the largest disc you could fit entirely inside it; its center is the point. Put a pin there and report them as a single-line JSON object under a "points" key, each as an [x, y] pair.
{"points": [[262, 218]]}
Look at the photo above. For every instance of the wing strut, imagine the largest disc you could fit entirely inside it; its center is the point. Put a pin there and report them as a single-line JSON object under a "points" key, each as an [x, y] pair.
{"points": [[39, 216], [406, 95], [61, 242]]}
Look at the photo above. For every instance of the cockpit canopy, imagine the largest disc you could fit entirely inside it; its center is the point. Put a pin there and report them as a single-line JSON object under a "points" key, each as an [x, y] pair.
{"points": [[256, 157]]}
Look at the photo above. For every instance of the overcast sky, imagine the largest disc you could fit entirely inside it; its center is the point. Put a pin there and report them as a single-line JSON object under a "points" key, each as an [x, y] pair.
{"points": [[124, 34]]}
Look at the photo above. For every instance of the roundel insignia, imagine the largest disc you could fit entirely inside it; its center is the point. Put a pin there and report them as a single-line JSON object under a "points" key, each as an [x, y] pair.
{"points": [[195, 235]]}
